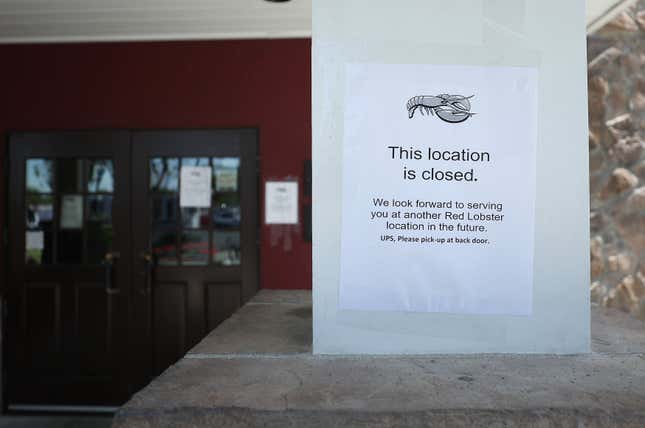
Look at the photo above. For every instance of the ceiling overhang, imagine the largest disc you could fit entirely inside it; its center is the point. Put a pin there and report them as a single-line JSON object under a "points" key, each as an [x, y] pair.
{"points": [[600, 12], [129, 20], [30, 21]]}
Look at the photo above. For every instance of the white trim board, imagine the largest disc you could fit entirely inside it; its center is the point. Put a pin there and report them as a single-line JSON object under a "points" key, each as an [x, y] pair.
{"points": [[52, 21], [25, 21]]}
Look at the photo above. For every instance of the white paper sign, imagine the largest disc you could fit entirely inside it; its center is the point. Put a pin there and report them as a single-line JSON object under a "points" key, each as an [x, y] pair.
{"points": [[438, 189], [196, 186], [226, 180], [35, 240], [71, 216], [281, 202]]}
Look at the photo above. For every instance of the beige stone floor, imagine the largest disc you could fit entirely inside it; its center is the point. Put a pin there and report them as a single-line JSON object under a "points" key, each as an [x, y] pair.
{"points": [[257, 369]]}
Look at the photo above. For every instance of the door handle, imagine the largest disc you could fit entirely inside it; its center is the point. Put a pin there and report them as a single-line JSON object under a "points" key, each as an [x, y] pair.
{"points": [[147, 257], [108, 264], [148, 261], [111, 256]]}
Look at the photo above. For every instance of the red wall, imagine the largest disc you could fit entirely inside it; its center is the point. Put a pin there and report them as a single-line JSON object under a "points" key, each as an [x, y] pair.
{"points": [[264, 84]]}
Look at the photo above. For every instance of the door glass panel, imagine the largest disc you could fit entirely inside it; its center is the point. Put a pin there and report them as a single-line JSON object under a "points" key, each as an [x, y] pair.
{"points": [[225, 174], [40, 176], [195, 162], [100, 176], [164, 246], [164, 174], [194, 218], [39, 218], [99, 208], [226, 210], [70, 246], [226, 248], [70, 175], [39, 246], [99, 227], [40, 211], [194, 247], [99, 241], [164, 210]]}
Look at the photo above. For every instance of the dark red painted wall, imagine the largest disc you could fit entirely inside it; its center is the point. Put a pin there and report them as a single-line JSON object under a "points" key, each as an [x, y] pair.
{"points": [[222, 84]]}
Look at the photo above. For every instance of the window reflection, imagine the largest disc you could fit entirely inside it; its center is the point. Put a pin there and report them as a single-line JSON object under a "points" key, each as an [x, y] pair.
{"points": [[226, 210], [164, 210], [99, 208], [195, 162], [68, 222], [194, 247], [226, 248], [40, 211], [101, 176], [70, 175], [40, 176], [164, 174], [164, 246], [194, 218]]}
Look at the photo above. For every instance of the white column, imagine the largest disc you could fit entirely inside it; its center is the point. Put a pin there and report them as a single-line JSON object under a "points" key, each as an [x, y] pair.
{"points": [[547, 37]]}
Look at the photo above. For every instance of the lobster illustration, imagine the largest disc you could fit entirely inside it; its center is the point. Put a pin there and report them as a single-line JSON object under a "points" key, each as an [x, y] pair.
{"points": [[449, 108]]}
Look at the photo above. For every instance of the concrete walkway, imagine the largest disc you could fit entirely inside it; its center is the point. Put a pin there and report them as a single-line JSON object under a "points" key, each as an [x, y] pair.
{"points": [[257, 369]]}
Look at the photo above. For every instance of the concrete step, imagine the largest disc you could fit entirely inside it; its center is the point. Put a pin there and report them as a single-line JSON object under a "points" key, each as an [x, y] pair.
{"points": [[257, 370]]}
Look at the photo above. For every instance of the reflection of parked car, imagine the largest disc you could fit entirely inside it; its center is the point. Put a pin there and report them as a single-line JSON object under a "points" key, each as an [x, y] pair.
{"points": [[227, 217]]}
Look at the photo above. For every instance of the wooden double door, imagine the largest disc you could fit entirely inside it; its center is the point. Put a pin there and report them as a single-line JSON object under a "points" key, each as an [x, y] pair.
{"points": [[125, 249]]}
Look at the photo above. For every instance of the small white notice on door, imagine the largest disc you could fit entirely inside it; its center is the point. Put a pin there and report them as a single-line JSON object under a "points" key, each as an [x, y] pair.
{"points": [[281, 202], [71, 212], [35, 240], [226, 180], [195, 190]]}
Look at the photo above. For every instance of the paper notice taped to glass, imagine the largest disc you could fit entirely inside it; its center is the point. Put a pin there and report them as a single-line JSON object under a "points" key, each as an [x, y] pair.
{"points": [[71, 212], [226, 180], [35, 240], [196, 186], [439, 189]]}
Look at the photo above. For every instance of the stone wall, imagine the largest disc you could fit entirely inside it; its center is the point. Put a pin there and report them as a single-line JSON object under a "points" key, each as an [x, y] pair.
{"points": [[617, 161]]}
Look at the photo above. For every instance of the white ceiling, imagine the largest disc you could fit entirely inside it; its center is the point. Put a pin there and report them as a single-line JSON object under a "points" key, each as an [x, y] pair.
{"points": [[24, 21], [89, 20]]}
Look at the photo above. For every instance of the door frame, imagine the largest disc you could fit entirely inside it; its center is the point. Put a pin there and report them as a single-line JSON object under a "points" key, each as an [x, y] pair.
{"points": [[250, 140]]}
